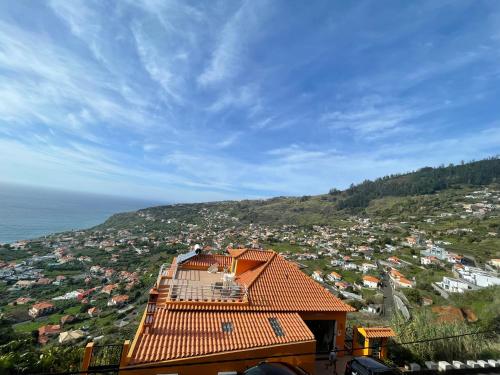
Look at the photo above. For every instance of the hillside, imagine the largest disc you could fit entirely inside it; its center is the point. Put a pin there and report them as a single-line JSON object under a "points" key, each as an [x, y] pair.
{"points": [[331, 207]]}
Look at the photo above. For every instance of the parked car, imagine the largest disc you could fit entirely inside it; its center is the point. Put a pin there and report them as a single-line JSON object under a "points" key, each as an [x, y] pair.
{"points": [[274, 368], [367, 366]]}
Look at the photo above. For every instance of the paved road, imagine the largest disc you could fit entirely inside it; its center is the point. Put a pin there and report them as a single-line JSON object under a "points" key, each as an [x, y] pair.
{"points": [[388, 297]]}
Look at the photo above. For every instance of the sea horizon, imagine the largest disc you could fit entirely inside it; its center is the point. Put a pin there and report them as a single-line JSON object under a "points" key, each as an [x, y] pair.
{"points": [[29, 212]]}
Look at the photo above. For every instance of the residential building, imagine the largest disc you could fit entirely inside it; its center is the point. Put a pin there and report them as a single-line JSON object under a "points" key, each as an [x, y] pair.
{"points": [[436, 251], [456, 285], [427, 260], [318, 276], [119, 300], [366, 267], [370, 281], [334, 276], [45, 332], [264, 307], [41, 308]]}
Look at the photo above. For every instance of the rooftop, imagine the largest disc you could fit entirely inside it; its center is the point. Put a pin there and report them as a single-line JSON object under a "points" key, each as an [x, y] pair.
{"points": [[197, 307]]}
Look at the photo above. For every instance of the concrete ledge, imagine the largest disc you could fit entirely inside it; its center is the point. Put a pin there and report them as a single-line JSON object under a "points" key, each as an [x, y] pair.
{"points": [[458, 365], [472, 364], [431, 365], [443, 366]]}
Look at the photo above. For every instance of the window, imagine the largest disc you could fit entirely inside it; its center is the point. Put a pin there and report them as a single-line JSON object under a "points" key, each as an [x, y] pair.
{"points": [[276, 326], [227, 327]]}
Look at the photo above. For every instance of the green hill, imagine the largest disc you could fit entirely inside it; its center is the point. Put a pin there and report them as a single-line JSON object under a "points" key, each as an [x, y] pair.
{"points": [[327, 208]]}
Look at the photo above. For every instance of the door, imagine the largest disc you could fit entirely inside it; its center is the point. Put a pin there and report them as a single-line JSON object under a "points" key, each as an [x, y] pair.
{"points": [[324, 333]]}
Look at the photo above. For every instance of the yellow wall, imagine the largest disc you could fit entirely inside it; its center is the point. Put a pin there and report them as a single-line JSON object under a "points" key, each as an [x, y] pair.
{"points": [[300, 354]]}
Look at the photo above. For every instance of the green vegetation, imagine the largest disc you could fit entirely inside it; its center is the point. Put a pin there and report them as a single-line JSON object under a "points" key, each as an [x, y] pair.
{"points": [[423, 326]]}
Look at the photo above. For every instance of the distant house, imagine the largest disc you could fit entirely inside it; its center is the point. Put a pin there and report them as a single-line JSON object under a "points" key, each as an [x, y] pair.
{"points": [[370, 281], [23, 300], [70, 336], [93, 312], [456, 285], [404, 283], [334, 276], [411, 241], [67, 319], [342, 285], [23, 284], [436, 251], [318, 276], [45, 332], [427, 260], [43, 281], [350, 266], [41, 308], [118, 300], [108, 289], [366, 267], [394, 260]]}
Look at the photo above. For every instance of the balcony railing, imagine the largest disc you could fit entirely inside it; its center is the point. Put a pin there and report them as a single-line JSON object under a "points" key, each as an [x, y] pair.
{"points": [[184, 290]]}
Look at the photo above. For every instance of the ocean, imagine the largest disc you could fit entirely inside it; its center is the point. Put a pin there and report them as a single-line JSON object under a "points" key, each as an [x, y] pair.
{"points": [[31, 212]]}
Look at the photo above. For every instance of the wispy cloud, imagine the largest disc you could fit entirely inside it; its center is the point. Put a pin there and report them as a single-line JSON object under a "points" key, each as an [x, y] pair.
{"points": [[194, 101]]}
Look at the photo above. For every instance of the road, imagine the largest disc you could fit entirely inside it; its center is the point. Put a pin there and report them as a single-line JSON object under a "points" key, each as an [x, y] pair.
{"points": [[388, 297]]}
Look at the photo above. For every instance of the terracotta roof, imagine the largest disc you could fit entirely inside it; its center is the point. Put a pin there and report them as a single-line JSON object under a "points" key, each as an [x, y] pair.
{"points": [[43, 305], [180, 334], [278, 285], [258, 255], [206, 260], [404, 280], [371, 278], [120, 298], [49, 329], [375, 332]]}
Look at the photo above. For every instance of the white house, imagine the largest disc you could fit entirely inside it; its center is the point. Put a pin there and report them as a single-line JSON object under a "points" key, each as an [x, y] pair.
{"points": [[456, 285], [370, 281], [334, 276], [365, 267], [436, 251], [318, 276], [350, 266]]}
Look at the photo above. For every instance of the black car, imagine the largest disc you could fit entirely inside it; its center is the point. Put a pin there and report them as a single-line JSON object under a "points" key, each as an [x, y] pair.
{"points": [[274, 368], [367, 366]]}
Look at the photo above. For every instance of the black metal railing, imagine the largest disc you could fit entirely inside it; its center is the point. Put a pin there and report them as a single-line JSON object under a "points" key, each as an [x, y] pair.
{"points": [[106, 357]]}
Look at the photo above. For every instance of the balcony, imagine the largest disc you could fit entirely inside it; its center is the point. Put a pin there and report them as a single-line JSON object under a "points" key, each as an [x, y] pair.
{"points": [[188, 285]]}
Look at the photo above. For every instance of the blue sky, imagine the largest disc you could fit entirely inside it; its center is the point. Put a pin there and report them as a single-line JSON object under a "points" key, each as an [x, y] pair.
{"points": [[209, 100]]}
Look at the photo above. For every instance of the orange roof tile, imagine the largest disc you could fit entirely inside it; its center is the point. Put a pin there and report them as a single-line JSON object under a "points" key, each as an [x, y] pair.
{"points": [[375, 332], [181, 334], [251, 254], [371, 278], [278, 285], [43, 305]]}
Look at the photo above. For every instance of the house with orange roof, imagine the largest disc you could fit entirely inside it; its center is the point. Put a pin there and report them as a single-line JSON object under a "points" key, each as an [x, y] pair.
{"points": [[45, 332], [41, 308], [224, 313], [108, 289], [403, 282], [334, 276], [93, 312], [370, 281], [119, 300], [394, 260]]}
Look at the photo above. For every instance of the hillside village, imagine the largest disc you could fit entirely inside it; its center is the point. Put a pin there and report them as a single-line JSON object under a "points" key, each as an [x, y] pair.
{"points": [[92, 284]]}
